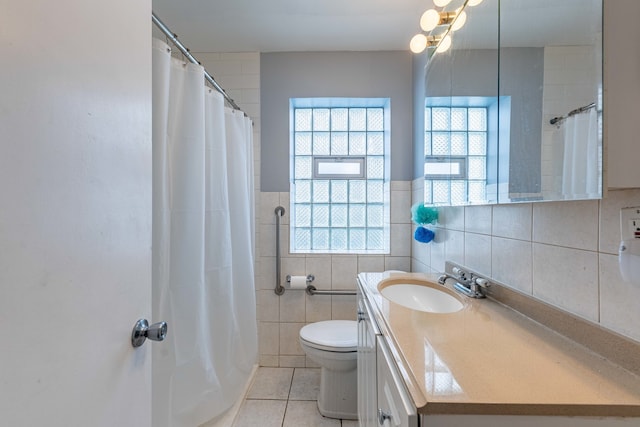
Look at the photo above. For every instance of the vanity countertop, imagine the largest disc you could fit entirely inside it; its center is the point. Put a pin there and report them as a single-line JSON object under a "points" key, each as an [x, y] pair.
{"points": [[490, 359]]}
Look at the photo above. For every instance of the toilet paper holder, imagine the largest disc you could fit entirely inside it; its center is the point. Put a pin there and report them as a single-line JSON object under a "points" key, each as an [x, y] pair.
{"points": [[310, 278]]}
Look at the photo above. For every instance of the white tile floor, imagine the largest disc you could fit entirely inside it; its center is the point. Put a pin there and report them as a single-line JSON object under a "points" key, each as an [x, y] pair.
{"points": [[285, 397]]}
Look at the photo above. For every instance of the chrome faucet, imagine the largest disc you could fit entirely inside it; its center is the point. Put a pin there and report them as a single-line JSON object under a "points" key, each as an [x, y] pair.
{"points": [[443, 278], [467, 283]]}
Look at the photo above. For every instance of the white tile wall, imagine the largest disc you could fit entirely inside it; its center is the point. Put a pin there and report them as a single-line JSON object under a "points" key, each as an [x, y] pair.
{"points": [[289, 339], [477, 252], [371, 263], [512, 221], [438, 256], [400, 245], [477, 219], [344, 270], [454, 246], [557, 224], [564, 253], [618, 306], [451, 218], [567, 278], [512, 263], [293, 306], [281, 317], [321, 268], [397, 263], [400, 199], [420, 255], [317, 309]]}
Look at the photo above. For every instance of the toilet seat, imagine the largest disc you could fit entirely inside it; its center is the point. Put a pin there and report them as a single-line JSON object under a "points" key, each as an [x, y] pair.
{"points": [[340, 336]]}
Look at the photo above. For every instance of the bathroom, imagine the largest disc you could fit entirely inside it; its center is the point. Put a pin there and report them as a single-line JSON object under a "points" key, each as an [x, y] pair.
{"points": [[530, 246]]}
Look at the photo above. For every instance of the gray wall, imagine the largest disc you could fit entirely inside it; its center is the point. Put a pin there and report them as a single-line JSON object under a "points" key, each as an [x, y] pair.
{"points": [[521, 78], [419, 64], [376, 74]]}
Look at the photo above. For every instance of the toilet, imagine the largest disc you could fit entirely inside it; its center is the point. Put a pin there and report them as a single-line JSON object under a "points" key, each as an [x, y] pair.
{"points": [[332, 344]]}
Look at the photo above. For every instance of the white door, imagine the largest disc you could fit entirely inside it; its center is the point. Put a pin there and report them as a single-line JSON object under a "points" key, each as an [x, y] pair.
{"points": [[75, 212]]}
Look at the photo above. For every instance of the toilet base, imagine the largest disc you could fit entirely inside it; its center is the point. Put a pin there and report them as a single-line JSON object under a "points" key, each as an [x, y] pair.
{"points": [[338, 396]]}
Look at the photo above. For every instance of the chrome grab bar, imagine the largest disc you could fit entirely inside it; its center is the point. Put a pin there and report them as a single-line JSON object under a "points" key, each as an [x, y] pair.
{"points": [[311, 290], [279, 290]]}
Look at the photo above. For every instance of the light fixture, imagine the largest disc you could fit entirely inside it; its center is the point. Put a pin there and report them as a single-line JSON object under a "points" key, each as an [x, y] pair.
{"points": [[429, 20], [432, 18], [461, 18], [442, 3], [418, 43], [444, 45]]}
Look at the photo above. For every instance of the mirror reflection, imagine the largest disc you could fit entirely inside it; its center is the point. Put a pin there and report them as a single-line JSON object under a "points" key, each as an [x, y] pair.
{"points": [[514, 115]]}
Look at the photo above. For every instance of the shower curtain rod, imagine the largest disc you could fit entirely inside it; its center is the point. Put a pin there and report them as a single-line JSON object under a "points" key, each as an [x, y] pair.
{"points": [[174, 39], [556, 120]]}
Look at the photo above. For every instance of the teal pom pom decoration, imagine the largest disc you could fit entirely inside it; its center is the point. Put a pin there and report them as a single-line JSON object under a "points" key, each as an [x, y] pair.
{"points": [[421, 214]]}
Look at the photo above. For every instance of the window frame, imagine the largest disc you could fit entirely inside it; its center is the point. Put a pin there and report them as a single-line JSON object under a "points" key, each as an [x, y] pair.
{"points": [[361, 160], [364, 231], [434, 181]]}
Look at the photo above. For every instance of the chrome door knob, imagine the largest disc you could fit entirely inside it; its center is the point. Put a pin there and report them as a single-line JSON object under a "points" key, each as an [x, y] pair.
{"points": [[142, 331]]}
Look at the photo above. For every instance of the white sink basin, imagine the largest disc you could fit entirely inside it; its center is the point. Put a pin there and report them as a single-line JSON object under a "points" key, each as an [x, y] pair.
{"points": [[421, 296]]}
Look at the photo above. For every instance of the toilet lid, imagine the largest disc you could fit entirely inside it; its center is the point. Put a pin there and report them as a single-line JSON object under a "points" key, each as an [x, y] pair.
{"points": [[341, 334]]}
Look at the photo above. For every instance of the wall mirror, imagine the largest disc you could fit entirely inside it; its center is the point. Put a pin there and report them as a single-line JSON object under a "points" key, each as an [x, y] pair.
{"points": [[513, 102]]}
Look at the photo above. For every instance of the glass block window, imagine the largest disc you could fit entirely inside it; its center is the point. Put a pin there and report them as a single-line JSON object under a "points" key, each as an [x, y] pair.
{"points": [[455, 138], [339, 186]]}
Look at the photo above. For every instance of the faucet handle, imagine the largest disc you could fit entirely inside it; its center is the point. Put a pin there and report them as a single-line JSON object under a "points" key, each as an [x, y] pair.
{"points": [[484, 283], [460, 274]]}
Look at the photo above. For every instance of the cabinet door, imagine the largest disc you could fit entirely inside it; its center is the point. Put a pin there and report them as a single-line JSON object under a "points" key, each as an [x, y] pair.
{"points": [[367, 396], [395, 408], [621, 92]]}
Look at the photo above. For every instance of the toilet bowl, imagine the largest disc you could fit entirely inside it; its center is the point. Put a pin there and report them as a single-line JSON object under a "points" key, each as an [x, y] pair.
{"points": [[332, 344]]}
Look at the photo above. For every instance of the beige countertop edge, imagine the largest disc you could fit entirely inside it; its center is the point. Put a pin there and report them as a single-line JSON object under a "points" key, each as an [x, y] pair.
{"points": [[460, 408], [426, 407]]}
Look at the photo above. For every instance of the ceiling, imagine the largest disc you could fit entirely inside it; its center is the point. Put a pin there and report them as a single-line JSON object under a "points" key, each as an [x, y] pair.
{"points": [[357, 25], [292, 25]]}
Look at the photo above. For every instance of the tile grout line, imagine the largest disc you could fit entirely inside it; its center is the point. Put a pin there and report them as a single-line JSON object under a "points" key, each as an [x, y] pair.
{"points": [[284, 415], [293, 374], [286, 407]]}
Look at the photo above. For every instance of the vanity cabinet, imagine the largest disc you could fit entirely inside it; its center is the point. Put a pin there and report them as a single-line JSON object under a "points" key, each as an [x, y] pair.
{"points": [[621, 92], [367, 333], [406, 376], [382, 398], [395, 408]]}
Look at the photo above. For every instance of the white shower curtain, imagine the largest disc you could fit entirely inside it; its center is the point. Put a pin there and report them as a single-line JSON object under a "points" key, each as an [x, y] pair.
{"points": [[203, 246], [580, 166]]}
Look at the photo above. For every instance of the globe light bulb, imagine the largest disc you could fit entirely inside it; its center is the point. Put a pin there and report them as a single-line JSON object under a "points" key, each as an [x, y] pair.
{"points": [[442, 3], [474, 2], [418, 43], [459, 22], [429, 20], [444, 45]]}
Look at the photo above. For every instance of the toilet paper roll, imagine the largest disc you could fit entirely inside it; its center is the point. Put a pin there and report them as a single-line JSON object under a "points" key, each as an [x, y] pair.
{"points": [[297, 282], [629, 260]]}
